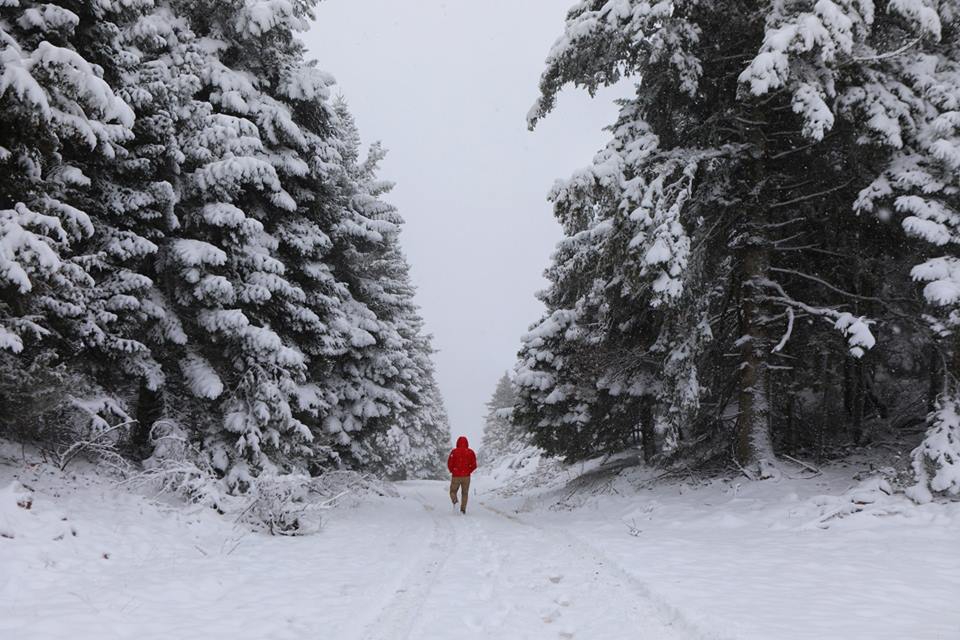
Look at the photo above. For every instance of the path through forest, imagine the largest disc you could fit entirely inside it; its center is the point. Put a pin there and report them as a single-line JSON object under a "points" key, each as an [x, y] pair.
{"points": [[794, 560], [492, 575], [88, 561]]}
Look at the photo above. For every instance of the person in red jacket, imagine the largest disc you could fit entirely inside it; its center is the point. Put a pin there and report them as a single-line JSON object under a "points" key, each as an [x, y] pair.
{"points": [[461, 462]]}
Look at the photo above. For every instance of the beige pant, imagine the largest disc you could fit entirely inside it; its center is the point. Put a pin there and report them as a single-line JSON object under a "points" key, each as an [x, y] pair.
{"points": [[463, 484]]}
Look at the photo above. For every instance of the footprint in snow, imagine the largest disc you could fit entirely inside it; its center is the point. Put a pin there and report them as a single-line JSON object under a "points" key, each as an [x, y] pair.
{"points": [[486, 592], [550, 616], [472, 623]]}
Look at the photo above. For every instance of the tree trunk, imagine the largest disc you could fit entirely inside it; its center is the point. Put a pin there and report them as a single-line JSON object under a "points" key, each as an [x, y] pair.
{"points": [[791, 423], [753, 445], [824, 406], [936, 379], [847, 391], [856, 420], [648, 433], [149, 410], [853, 398]]}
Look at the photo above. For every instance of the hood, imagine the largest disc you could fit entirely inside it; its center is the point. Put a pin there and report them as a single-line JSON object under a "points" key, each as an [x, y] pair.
{"points": [[462, 442]]}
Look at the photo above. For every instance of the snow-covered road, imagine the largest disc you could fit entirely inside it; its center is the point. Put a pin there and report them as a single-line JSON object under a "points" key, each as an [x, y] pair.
{"points": [[90, 561], [491, 575]]}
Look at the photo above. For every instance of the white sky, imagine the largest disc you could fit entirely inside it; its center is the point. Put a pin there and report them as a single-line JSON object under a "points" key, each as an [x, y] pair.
{"points": [[446, 85]]}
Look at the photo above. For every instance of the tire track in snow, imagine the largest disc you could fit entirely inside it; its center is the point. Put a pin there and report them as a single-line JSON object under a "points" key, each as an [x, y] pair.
{"points": [[398, 617], [565, 593], [494, 575], [668, 615], [488, 580]]}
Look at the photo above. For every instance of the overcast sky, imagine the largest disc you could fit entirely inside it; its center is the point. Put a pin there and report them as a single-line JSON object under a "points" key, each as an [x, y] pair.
{"points": [[446, 86]]}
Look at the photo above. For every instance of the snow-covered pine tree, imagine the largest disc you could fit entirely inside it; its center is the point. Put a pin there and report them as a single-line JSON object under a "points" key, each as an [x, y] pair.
{"points": [[500, 435], [63, 121], [416, 443], [424, 421], [434, 427], [132, 199], [309, 246], [136, 198], [391, 413], [906, 106], [885, 77], [891, 72], [589, 365], [57, 110], [230, 290], [366, 375], [719, 221], [186, 217], [616, 359]]}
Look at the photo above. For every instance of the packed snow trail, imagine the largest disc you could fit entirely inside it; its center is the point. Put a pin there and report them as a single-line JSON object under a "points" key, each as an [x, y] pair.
{"points": [[720, 561], [90, 562], [490, 575]]}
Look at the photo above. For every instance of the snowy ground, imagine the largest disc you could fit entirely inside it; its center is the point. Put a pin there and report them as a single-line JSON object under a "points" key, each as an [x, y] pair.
{"points": [[764, 561]]}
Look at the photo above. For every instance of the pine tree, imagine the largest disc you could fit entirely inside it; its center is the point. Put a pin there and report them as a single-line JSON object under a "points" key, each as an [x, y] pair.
{"points": [[250, 267], [63, 121], [721, 220], [367, 375], [424, 422], [57, 110], [132, 198], [901, 101], [186, 220], [500, 435], [391, 401]]}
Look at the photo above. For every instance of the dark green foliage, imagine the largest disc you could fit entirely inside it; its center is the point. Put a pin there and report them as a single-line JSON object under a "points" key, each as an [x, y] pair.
{"points": [[730, 283]]}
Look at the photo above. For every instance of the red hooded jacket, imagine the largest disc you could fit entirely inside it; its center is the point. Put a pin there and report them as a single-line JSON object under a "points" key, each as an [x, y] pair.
{"points": [[462, 460]]}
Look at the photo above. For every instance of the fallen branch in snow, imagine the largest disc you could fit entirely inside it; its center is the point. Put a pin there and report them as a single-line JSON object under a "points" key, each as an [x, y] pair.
{"points": [[332, 501], [632, 528], [867, 494], [802, 464], [283, 504], [244, 512], [99, 444], [234, 547], [233, 543], [749, 475]]}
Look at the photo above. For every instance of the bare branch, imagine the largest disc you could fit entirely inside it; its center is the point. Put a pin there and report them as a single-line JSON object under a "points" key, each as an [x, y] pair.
{"points": [[824, 283], [777, 225], [787, 334], [811, 196], [889, 54]]}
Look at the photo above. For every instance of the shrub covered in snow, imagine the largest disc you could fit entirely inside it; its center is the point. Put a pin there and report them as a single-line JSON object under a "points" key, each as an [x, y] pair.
{"points": [[281, 504], [936, 462]]}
